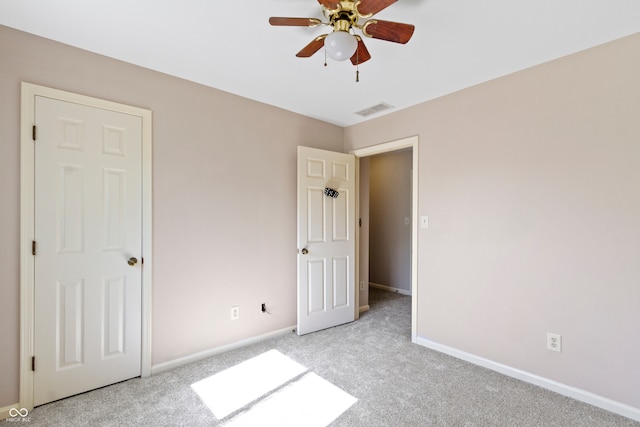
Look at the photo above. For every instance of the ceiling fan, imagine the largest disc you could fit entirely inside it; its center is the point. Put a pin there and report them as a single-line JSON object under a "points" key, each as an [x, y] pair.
{"points": [[345, 17]]}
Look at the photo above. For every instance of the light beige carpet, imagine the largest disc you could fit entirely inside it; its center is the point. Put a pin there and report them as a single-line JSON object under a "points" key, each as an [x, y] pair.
{"points": [[392, 381]]}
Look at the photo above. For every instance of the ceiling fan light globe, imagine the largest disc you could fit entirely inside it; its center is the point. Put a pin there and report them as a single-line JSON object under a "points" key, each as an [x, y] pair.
{"points": [[340, 45]]}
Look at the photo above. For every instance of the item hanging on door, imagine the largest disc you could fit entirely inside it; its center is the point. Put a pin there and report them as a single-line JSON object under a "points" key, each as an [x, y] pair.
{"points": [[330, 192]]}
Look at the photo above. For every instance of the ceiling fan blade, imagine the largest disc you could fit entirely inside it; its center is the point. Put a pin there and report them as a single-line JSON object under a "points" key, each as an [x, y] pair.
{"points": [[330, 4], [312, 47], [361, 55], [387, 30], [371, 7], [294, 22]]}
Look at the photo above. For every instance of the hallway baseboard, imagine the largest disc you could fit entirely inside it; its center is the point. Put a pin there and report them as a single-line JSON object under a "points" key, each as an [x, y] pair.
{"points": [[390, 289]]}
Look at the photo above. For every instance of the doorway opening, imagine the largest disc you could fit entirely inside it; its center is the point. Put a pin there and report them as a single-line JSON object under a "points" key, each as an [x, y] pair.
{"points": [[409, 286]]}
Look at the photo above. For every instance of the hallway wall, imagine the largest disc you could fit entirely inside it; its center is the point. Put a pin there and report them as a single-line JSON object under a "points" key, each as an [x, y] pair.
{"points": [[390, 220]]}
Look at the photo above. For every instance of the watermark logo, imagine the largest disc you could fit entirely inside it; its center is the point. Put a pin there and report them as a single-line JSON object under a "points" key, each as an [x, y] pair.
{"points": [[18, 415]]}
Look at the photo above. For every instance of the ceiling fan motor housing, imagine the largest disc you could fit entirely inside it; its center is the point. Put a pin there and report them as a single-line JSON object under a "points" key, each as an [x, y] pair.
{"points": [[343, 20]]}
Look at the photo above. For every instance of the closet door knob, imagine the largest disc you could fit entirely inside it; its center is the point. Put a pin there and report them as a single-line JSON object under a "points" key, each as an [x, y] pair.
{"points": [[132, 261]]}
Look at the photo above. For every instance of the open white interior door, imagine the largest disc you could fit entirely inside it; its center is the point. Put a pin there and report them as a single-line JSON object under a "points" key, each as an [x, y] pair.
{"points": [[326, 239]]}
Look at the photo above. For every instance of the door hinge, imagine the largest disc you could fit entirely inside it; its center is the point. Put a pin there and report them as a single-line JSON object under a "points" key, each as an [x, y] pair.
{"points": [[33, 247], [33, 132], [33, 363], [360, 222]]}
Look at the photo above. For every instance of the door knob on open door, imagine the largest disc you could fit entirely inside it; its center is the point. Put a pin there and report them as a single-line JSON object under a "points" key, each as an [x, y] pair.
{"points": [[304, 251], [132, 261]]}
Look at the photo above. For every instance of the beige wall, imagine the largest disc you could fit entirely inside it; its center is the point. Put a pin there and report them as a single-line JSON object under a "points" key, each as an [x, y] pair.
{"points": [[224, 198], [532, 187], [389, 206]]}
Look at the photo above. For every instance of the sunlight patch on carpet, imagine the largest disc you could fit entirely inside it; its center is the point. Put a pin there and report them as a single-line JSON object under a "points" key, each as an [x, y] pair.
{"points": [[310, 401], [234, 388]]}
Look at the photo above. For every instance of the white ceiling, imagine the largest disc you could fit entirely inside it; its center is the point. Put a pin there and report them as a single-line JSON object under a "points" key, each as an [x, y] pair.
{"points": [[229, 45]]}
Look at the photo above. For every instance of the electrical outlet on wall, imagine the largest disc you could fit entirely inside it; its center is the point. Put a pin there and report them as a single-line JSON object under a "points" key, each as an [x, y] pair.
{"points": [[554, 342], [235, 312]]}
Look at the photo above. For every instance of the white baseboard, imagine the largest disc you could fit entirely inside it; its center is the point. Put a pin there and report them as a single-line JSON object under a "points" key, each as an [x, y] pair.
{"points": [[165, 366], [390, 288], [363, 308], [4, 412], [563, 389]]}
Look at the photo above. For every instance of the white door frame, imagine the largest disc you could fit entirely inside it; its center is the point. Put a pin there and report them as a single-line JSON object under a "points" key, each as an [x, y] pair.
{"points": [[409, 142], [27, 215]]}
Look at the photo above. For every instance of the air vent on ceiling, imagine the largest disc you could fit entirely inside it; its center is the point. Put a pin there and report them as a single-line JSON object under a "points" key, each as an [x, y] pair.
{"points": [[374, 109]]}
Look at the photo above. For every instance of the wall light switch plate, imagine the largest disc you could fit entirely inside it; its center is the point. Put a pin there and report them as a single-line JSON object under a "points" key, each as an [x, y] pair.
{"points": [[424, 221]]}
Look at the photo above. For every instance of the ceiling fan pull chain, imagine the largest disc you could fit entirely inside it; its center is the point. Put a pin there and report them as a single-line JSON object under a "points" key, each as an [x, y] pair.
{"points": [[325, 56], [357, 64]]}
